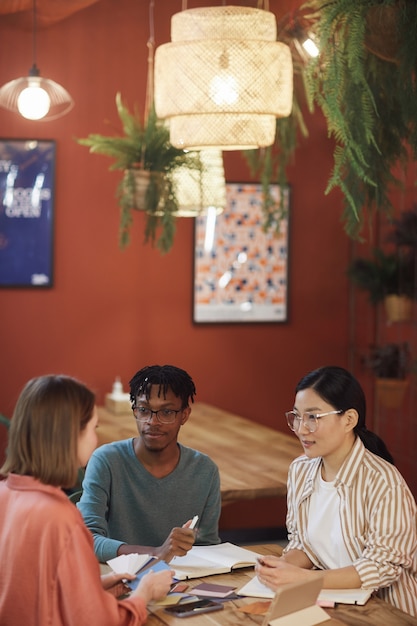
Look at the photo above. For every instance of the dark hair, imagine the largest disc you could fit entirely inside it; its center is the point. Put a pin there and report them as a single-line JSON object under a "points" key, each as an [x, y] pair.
{"points": [[340, 388], [166, 377], [49, 415]]}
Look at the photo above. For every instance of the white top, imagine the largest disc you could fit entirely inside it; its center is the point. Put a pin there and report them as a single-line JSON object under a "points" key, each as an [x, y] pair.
{"points": [[324, 529]]}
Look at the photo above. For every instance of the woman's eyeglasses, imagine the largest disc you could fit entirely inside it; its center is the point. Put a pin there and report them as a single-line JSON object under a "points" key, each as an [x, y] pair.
{"points": [[310, 421]]}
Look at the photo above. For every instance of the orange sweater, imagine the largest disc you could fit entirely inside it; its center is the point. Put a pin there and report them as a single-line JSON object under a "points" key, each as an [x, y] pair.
{"points": [[49, 575]]}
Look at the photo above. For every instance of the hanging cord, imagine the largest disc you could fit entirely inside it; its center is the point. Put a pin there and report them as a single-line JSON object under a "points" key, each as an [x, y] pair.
{"points": [[34, 71], [149, 94], [149, 97], [34, 33]]}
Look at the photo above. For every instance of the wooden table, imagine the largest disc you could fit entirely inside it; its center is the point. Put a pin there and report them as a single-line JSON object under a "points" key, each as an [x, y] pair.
{"points": [[253, 459], [375, 612]]}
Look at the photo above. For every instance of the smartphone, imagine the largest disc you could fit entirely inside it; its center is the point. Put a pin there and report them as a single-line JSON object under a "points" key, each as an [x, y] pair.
{"points": [[194, 608]]}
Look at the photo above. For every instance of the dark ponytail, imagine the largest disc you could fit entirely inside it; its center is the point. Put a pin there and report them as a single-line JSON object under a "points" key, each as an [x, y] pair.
{"points": [[339, 388]]}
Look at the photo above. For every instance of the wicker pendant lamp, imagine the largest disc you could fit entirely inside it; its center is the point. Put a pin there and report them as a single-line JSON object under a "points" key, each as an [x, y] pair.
{"points": [[198, 191], [224, 79], [35, 97]]}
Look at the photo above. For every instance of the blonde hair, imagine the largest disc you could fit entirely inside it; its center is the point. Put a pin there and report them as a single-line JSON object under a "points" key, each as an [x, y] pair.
{"points": [[50, 413]]}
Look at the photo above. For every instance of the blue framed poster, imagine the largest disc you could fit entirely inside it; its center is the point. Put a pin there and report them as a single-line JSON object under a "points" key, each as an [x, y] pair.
{"points": [[27, 172]]}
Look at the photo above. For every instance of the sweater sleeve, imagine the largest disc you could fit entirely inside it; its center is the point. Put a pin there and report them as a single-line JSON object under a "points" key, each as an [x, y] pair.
{"points": [[81, 599], [93, 506]]}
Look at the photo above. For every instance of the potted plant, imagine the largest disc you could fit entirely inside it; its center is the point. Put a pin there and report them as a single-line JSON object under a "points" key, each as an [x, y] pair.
{"points": [[389, 278], [391, 364], [149, 163]]}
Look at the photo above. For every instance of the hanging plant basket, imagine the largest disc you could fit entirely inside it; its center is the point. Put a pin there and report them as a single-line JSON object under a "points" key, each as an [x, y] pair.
{"points": [[141, 180], [390, 392], [148, 161], [398, 308]]}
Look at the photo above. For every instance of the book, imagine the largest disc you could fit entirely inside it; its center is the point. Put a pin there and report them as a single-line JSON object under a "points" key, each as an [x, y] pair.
{"points": [[139, 564], [157, 566], [213, 591], [254, 588], [345, 596], [216, 559]]}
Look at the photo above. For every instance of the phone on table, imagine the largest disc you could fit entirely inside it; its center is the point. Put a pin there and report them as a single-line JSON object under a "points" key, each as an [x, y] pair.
{"points": [[194, 608]]}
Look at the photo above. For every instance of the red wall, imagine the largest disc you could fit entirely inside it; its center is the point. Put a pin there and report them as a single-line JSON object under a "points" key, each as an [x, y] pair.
{"points": [[111, 312]]}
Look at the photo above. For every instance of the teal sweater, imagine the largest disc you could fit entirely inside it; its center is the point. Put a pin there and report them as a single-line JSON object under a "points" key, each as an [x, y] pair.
{"points": [[123, 503]]}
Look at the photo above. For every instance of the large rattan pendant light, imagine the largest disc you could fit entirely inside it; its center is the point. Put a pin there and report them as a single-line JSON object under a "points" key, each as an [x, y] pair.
{"points": [[224, 79], [35, 97]]}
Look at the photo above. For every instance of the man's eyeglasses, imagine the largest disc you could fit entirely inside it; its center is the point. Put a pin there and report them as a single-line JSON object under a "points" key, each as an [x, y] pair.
{"points": [[164, 416], [309, 420]]}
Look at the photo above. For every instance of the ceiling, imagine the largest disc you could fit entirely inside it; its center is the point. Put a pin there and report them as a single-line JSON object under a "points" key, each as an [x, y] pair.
{"points": [[20, 12]]}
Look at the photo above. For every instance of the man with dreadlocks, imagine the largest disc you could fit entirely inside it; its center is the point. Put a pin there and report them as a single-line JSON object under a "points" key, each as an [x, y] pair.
{"points": [[140, 494]]}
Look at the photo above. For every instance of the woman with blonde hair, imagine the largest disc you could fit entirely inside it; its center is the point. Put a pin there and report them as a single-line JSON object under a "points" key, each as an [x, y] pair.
{"points": [[49, 572]]}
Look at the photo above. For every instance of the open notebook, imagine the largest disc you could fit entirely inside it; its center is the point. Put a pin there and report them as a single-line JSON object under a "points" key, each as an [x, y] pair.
{"points": [[256, 589], [217, 559]]}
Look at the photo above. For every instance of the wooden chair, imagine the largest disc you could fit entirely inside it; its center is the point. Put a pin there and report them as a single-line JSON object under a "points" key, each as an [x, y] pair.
{"points": [[75, 496]]}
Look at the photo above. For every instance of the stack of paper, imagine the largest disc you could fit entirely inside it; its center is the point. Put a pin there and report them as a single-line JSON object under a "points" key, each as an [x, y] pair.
{"points": [[139, 564], [129, 563]]}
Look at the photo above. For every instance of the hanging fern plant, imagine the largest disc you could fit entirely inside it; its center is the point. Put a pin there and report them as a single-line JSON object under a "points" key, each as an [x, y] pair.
{"points": [[365, 83], [144, 149], [368, 101]]}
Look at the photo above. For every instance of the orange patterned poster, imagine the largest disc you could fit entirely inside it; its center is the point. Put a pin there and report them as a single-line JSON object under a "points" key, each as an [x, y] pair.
{"points": [[241, 272]]}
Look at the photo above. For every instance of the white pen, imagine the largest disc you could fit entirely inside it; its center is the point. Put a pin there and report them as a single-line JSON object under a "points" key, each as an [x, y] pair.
{"points": [[193, 522]]}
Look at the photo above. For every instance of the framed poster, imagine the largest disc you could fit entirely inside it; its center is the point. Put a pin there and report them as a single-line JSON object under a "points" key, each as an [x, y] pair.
{"points": [[26, 212], [240, 271]]}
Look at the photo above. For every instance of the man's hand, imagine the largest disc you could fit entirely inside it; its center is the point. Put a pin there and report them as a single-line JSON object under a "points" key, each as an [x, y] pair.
{"points": [[178, 542]]}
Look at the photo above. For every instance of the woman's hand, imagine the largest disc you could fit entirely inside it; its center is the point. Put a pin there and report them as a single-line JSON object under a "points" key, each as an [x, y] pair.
{"points": [[154, 585], [113, 583], [274, 572]]}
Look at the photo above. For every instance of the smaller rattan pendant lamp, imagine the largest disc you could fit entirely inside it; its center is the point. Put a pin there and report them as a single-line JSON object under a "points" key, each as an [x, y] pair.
{"points": [[224, 79]]}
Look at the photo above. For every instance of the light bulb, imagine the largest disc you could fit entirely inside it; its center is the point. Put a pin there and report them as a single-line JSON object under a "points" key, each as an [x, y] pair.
{"points": [[224, 89], [33, 101], [311, 48]]}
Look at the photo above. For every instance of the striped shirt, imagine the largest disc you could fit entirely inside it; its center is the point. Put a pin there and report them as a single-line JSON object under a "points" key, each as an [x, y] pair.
{"points": [[378, 520]]}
